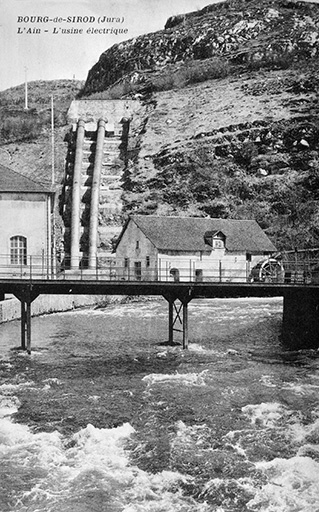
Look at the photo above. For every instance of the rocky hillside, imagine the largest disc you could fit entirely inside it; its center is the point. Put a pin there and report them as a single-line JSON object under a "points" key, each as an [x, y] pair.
{"points": [[251, 33], [231, 126]]}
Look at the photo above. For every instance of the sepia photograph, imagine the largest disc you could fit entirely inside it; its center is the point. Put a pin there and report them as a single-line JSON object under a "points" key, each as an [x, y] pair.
{"points": [[159, 256]]}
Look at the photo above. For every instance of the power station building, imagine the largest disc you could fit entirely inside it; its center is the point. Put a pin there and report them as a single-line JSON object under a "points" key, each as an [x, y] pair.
{"points": [[190, 249]]}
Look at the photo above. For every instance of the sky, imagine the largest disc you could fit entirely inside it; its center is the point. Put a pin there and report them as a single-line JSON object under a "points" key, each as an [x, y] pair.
{"points": [[35, 44]]}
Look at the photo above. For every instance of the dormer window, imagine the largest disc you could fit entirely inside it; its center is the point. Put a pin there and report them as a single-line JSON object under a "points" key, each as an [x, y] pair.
{"points": [[216, 240], [218, 243]]}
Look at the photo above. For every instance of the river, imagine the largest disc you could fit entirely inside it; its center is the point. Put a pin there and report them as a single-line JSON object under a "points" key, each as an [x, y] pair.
{"points": [[105, 417]]}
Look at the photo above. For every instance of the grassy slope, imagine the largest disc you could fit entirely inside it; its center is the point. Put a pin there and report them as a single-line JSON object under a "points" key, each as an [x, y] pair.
{"points": [[39, 94], [25, 135]]}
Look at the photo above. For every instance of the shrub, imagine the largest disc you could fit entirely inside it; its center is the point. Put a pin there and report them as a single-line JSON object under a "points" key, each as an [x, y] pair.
{"points": [[16, 128], [209, 69], [245, 153], [216, 208]]}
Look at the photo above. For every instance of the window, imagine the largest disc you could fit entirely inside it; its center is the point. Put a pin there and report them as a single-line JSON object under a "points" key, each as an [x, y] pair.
{"points": [[137, 244], [18, 250], [125, 262], [216, 239], [218, 243], [147, 261]]}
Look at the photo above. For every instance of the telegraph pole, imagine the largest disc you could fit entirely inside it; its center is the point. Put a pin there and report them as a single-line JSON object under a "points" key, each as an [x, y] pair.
{"points": [[53, 255], [52, 140]]}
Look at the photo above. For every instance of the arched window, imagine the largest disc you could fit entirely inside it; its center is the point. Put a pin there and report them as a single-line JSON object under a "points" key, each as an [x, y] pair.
{"points": [[18, 250], [174, 273]]}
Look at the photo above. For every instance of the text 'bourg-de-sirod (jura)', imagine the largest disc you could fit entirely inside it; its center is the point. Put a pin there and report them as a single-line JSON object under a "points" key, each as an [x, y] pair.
{"points": [[71, 25]]}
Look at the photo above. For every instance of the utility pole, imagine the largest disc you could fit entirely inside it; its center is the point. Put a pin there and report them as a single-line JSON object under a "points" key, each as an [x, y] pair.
{"points": [[25, 89], [53, 255], [52, 140]]}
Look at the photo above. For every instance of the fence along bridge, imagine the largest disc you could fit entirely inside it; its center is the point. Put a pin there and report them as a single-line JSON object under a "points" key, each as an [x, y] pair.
{"points": [[293, 275]]}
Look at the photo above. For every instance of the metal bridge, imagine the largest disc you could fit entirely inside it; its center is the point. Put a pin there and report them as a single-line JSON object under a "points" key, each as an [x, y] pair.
{"points": [[292, 276], [294, 267]]}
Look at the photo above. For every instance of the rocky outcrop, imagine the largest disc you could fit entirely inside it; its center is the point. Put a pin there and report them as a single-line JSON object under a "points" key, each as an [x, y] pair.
{"points": [[249, 33]]}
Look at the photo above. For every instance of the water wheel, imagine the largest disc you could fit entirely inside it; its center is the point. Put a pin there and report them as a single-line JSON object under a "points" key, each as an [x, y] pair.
{"points": [[268, 271]]}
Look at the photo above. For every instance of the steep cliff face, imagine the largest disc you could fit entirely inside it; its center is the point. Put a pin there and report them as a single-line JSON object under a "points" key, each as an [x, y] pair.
{"points": [[241, 32]]}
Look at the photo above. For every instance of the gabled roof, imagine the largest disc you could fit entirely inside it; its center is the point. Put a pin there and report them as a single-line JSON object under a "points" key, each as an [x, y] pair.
{"points": [[12, 181], [214, 234], [187, 233]]}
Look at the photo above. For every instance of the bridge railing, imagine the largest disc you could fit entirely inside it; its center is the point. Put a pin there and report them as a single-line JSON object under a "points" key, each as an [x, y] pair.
{"points": [[112, 269], [20, 266]]}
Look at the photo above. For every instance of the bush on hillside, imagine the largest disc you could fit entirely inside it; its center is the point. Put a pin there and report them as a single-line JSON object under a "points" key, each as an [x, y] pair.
{"points": [[219, 208], [15, 128], [209, 69]]}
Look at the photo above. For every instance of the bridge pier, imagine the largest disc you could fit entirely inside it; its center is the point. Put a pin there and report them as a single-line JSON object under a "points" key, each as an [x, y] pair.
{"points": [[26, 297], [185, 325], [171, 322], [300, 328], [26, 325], [177, 313]]}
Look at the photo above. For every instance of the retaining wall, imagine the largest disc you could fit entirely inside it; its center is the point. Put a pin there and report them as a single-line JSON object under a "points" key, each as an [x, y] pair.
{"points": [[10, 309]]}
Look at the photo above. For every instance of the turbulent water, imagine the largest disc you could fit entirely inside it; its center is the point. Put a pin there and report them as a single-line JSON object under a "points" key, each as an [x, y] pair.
{"points": [[105, 417]]}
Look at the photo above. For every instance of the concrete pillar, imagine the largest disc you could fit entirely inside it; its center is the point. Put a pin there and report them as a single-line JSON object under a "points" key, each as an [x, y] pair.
{"points": [[76, 196], [95, 194], [300, 329]]}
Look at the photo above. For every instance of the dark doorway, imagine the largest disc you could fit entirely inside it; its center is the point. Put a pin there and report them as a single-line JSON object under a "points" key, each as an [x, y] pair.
{"points": [[138, 270], [174, 272], [198, 275]]}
